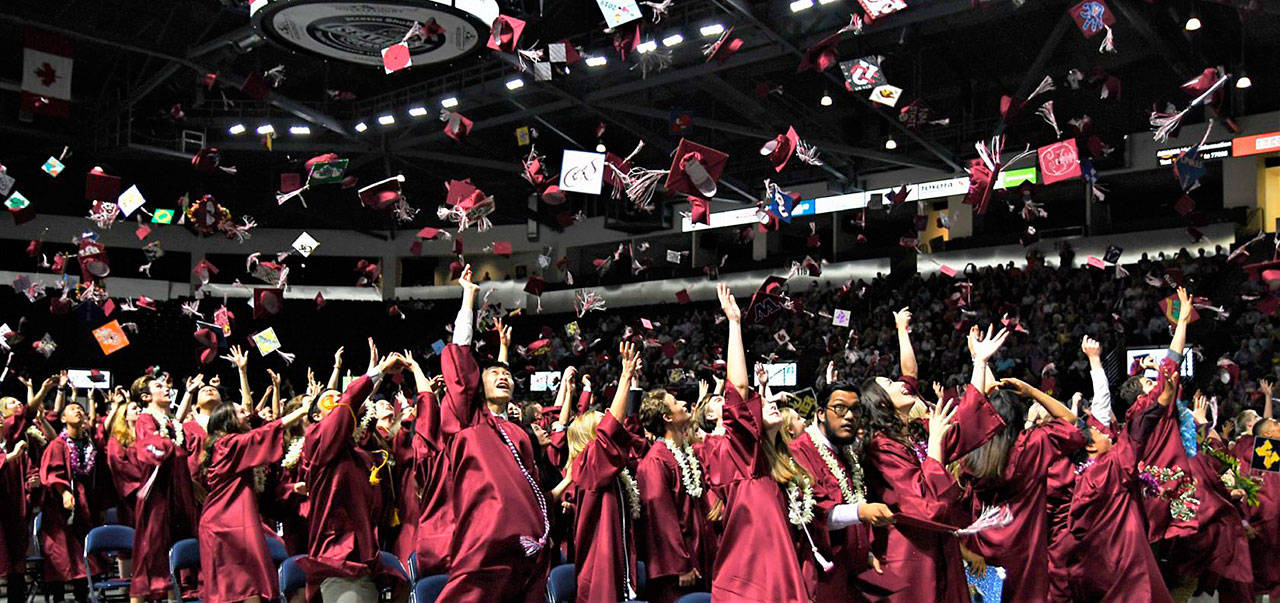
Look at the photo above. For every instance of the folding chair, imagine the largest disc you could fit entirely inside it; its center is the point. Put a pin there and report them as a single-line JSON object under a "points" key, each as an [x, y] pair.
{"points": [[107, 541], [183, 555], [562, 584]]}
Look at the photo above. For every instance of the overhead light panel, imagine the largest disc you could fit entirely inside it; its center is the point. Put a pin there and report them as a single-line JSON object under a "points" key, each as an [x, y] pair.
{"points": [[800, 5], [672, 40], [825, 2], [1243, 82], [387, 119], [239, 128], [515, 84], [300, 130], [360, 127], [1193, 23], [714, 29], [418, 111], [265, 129], [599, 61], [449, 102], [646, 47]]}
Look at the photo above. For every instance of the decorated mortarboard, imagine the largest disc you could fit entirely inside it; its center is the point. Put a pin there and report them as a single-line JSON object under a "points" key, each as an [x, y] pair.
{"points": [[456, 125], [822, 55], [778, 203], [100, 185], [53, 167], [266, 341], [1092, 16], [162, 216], [111, 337], [1059, 161], [325, 169], [563, 52], [781, 148], [695, 169], [723, 48], [863, 73], [876, 9], [502, 248], [92, 256], [130, 200], [886, 94], [504, 36], [767, 303], [1188, 166], [1112, 255], [382, 194], [1265, 454], [6, 181], [305, 244], [1171, 307], [267, 302]]}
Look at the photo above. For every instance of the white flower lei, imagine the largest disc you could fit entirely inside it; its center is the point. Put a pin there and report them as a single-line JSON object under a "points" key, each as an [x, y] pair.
{"points": [[632, 491], [800, 502], [164, 424], [363, 426], [854, 490], [260, 478], [37, 433], [293, 454], [687, 464]]}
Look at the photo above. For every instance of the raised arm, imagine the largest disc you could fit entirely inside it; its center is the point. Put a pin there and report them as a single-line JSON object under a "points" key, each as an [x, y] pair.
{"points": [[193, 385], [464, 323], [241, 359], [736, 355], [1266, 386], [1184, 318], [1055, 408], [504, 341], [1100, 405], [37, 398], [982, 348], [564, 396], [336, 376], [630, 357], [906, 353]]}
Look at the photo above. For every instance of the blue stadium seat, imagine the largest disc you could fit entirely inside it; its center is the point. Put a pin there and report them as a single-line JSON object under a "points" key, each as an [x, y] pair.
{"points": [[695, 598], [183, 555], [427, 590], [292, 578], [107, 540], [562, 584]]}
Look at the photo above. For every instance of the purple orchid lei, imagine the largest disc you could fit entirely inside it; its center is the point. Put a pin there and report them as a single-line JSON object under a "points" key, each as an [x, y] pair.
{"points": [[81, 462]]}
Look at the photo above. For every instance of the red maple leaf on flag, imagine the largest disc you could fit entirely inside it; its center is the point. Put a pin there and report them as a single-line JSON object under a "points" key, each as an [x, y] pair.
{"points": [[47, 74]]}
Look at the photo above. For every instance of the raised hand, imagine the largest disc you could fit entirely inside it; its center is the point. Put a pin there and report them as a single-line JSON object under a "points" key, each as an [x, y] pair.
{"points": [[728, 304], [504, 333], [902, 319], [1184, 305], [630, 357], [762, 374], [275, 379], [464, 281], [195, 383], [1200, 408], [1091, 348], [1018, 385], [940, 422], [373, 354], [1266, 387], [237, 357], [337, 356], [986, 347]]}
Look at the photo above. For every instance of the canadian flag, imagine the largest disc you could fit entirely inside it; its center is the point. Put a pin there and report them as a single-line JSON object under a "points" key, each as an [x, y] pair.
{"points": [[46, 74]]}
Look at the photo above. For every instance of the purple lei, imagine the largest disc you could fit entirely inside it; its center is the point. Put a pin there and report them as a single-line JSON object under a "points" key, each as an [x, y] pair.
{"points": [[81, 463], [919, 448], [1084, 466]]}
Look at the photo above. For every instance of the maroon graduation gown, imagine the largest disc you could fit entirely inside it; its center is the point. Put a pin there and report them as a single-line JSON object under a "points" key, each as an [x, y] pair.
{"points": [[127, 476], [674, 535], [340, 534], [63, 533], [193, 441], [1265, 520], [846, 548], [234, 562], [431, 481], [15, 532], [489, 494], [757, 559], [1061, 482], [919, 565], [604, 532], [165, 511], [1022, 547], [1214, 539], [1109, 558]]}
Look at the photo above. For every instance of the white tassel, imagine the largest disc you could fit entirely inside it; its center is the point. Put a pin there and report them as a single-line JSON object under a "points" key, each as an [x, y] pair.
{"points": [[822, 561], [1108, 41], [1046, 111], [1046, 85], [288, 358], [1166, 123], [991, 517]]}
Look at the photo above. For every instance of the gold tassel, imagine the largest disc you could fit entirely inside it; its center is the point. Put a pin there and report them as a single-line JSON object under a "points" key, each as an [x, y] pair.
{"points": [[373, 473]]}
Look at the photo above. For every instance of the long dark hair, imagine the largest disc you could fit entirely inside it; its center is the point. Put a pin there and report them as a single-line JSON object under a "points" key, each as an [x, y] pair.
{"points": [[877, 414], [989, 459], [224, 420]]}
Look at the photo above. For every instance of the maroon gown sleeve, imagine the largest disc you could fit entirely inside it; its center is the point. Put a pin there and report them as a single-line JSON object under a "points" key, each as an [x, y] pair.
{"points": [[426, 426], [920, 489], [54, 472], [976, 421], [664, 542], [558, 449], [332, 434], [240, 452], [151, 448], [461, 407], [584, 400], [743, 420], [604, 456]]}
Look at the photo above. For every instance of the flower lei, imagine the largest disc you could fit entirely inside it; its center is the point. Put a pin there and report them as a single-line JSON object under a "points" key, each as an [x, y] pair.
{"points": [[260, 478], [37, 433], [800, 502], [1084, 466], [632, 491], [854, 490], [687, 464], [81, 462], [163, 424], [1174, 486], [363, 427], [1233, 478], [293, 454]]}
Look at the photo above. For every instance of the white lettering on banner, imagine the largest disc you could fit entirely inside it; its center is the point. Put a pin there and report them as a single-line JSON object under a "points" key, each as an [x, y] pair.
{"points": [[1212, 150], [1268, 143]]}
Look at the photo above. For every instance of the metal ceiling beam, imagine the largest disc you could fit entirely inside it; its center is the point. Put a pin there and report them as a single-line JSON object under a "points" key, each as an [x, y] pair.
{"points": [[280, 101], [343, 149], [833, 147], [1035, 73], [745, 12]]}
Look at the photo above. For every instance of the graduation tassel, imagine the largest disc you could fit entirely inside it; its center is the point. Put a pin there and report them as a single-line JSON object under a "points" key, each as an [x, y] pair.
{"points": [[374, 480], [991, 517], [1166, 123], [1108, 41], [822, 561]]}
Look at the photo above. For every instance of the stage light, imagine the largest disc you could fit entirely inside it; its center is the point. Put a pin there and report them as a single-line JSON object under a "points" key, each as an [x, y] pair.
{"points": [[1193, 23], [825, 100], [1243, 82], [890, 143]]}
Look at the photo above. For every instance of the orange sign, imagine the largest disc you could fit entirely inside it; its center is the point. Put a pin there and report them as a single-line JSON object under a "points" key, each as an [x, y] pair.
{"points": [[1255, 145], [111, 337]]}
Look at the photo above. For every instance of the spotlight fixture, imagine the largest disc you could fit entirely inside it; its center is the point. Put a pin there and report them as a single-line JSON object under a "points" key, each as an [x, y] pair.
{"points": [[360, 127], [387, 119], [713, 29], [417, 111], [1193, 23], [672, 40], [449, 102], [300, 130], [646, 47], [265, 129], [599, 61], [800, 5], [890, 143], [239, 129], [1243, 81], [515, 84], [825, 100]]}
